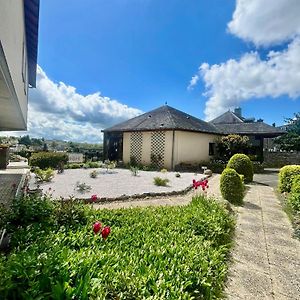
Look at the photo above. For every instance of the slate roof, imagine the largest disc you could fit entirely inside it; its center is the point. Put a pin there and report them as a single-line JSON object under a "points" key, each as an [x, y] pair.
{"points": [[169, 118], [164, 118], [259, 128], [228, 117]]}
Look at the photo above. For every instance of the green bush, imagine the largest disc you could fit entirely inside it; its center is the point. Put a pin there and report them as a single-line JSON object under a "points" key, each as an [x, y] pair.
{"points": [[46, 160], [217, 166], [231, 186], [296, 184], [258, 167], [243, 165], [152, 253], [74, 166], [294, 201], [43, 175], [161, 181], [286, 176]]}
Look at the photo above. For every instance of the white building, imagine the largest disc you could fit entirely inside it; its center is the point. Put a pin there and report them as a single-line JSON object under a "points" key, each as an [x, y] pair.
{"points": [[18, 59]]}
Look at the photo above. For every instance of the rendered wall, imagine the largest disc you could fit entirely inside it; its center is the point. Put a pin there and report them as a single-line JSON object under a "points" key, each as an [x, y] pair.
{"points": [[189, 147], [13, 40], [192, 147]]}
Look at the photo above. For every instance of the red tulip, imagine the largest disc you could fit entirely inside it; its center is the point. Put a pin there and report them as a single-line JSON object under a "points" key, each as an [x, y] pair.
{"points": [[94, 198], [97, 227], [105, 232]]}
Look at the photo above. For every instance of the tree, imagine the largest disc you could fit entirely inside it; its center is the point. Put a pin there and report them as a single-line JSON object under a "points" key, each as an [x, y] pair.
{"points": [[25, 140], [231, 144], [291, 140]]}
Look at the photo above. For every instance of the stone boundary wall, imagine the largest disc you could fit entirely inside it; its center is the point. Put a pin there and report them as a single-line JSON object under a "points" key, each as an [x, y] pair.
{"points": [[280, 159]]}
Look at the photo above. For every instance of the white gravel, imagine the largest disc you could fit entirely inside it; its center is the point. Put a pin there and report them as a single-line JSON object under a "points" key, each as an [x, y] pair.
{"points": [[115, 183]]}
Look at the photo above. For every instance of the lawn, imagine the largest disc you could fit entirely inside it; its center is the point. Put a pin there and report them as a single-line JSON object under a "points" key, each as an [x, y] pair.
{"points": [[151, 253]]}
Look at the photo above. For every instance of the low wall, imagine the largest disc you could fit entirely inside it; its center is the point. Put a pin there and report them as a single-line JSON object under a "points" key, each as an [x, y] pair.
{"points": [[280, 159]]}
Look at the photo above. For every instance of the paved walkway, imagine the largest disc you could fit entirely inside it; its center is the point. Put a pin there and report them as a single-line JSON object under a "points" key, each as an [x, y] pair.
{"points": [[266, 259]]}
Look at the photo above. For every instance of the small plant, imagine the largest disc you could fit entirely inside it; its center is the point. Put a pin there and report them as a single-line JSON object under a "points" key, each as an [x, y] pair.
{"points": [[134, 171], [94, 174], [243, 165], [231, 186], [164, 171], [110, 165], [82, 187], [161, 181], [43, 175], [177, 175]]}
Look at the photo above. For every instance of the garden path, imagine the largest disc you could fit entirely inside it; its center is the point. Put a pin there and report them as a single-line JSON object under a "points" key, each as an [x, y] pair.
{"points": [[266, 258]]}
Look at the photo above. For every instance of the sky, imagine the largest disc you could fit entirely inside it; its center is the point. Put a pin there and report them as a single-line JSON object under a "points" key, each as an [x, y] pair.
{"points": [[101, 62]]}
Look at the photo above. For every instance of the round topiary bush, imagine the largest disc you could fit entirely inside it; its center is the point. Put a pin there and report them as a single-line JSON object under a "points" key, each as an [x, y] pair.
{"points": [[231, 186], [243, 165]]}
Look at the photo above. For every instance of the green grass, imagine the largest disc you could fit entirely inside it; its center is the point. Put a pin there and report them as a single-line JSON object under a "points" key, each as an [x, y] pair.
{"points": [[151, 253]]}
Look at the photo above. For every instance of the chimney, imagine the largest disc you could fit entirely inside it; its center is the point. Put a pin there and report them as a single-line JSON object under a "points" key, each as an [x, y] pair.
{"points": [[238, 112]]}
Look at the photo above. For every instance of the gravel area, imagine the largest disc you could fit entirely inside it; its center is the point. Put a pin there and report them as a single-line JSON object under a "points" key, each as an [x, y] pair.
{"points": [[114, 183]]}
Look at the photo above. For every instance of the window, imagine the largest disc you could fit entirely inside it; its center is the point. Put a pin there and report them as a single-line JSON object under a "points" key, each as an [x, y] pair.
{"points": [[211, 150]]}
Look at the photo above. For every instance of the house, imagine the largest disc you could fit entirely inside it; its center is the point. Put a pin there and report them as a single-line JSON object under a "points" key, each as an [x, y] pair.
{"points": [[167, 137], [259, 133], [18, 60]]}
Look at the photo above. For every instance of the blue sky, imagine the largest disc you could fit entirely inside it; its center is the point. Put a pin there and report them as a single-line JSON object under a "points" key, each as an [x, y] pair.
{"points": [[101, 62]]}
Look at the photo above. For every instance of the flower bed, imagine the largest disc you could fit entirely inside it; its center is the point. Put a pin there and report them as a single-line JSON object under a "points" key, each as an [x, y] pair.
{"points": [[160, 253]]}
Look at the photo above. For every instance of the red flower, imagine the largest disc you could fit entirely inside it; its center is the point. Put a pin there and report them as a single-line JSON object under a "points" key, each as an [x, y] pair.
{"points": [[105, 232], [94, 198], [97, 227]]}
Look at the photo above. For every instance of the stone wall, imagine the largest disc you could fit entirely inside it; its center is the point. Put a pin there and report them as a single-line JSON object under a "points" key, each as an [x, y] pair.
{"points": [[280, 159]]}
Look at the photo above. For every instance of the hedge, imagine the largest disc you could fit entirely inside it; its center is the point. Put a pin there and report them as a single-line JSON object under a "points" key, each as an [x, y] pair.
{"points": [[286, 176], [243, 165], [46, 160], [231, 186]]}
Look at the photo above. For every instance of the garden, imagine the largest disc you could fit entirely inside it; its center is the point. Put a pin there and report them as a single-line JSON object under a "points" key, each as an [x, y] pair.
{"points": [[67, 250]]}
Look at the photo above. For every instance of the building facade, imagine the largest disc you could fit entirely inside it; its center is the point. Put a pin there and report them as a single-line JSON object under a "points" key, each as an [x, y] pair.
{"points": [[18, 60]]}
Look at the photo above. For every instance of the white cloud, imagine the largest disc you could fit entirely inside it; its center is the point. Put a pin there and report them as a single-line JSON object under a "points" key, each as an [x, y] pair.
{"points": [[266, 22], [193, 81], [230, 83], [57, 111]]}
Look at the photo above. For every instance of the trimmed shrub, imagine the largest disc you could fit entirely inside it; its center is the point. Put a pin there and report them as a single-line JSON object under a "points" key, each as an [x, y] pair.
{"points": [[294, 201], [231, 186], [258, 167], [296, 184], [46, 160], [286, 177], [243, 165], [217, 166]]}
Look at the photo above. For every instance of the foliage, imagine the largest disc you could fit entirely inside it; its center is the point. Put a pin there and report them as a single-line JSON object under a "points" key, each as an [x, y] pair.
{"points": [[156, 160], [28, 210], [217, 166], [296, 184], [25, 140], [134, 170], [161, 181], [70, 212], [164, 171], [46, 160], [231, 144], [158, 253], [94, 174], [243, 165], [231, 186], [74, 166], [290, 140], [43, 175], [82, 187], [294, 201], [258, 167], [286, 176]]}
